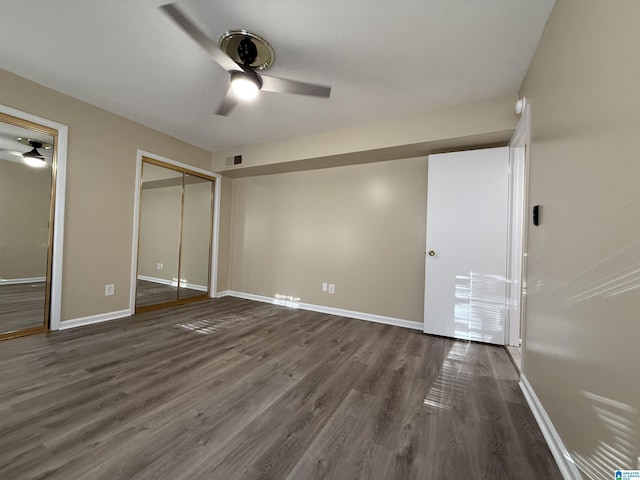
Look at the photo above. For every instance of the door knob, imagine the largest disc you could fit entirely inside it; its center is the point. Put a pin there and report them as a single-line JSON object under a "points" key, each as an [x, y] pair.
{"points": [[432, 253]]}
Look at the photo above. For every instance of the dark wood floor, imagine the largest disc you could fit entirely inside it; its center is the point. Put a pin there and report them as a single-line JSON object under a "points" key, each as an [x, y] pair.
{"points": [[21, 306], [233, 389], [152, 293]]}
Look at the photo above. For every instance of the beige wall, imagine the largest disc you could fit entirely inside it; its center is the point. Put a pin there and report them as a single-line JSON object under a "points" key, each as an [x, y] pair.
{"points": [[225, 185], [159, 241], [100, 191], [489, 121], [24, 222], [196, 233], [298, 219], [160, 232], [583, 305], [361, 227]]}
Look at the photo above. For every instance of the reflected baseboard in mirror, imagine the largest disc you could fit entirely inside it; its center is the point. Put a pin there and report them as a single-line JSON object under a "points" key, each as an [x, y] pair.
{"points": [[151, 295], [27, 194]]}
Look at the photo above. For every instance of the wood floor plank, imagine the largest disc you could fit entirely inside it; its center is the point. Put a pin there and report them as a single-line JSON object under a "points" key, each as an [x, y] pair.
{"points": [[349, 429], [235, 389]]}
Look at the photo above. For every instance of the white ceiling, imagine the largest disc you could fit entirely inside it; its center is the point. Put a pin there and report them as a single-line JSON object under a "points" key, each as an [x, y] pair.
{"points": [[382, 58]]}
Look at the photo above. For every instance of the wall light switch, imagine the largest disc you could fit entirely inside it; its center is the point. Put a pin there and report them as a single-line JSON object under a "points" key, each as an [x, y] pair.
{"points": [[109, 289], [160, 265], [536, 215], [324, 286], [332, 288]]}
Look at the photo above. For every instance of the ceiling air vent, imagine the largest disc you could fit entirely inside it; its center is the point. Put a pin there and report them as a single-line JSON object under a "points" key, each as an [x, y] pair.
{"points": [[235, 160]]}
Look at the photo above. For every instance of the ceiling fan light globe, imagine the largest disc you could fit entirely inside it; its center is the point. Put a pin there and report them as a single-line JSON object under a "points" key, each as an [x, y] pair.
{"points": [[244, 88], [35, 162]]}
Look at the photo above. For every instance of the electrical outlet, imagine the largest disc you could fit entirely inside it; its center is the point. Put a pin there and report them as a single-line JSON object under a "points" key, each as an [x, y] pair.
{"points": [[324, 286], [109, 289], [160, 265], [332, 288]]}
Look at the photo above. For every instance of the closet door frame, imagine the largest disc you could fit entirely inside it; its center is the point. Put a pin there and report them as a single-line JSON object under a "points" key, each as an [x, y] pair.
{"points": [[143, 156], [53, 301]]}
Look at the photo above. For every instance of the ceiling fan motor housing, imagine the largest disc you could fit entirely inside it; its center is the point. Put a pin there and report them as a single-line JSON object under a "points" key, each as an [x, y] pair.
{"points": [[248, 74], [247, 51]]}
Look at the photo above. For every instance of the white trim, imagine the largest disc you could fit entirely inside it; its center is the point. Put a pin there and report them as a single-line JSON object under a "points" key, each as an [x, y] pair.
{"points": [[521, 135], [560, 453], [16, 281], [175, 163], [517, 215], [134, 243], [91, 319], [217, 186], [55, 306], [193, 286], [516, 219], [174, 283], [517, 322], [398, 322], [55, 309], [136, 221], [163, 281]]}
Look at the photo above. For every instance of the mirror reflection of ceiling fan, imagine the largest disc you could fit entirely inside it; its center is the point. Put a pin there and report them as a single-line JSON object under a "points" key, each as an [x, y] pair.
{"points": [[33, 157], [242, 54]]}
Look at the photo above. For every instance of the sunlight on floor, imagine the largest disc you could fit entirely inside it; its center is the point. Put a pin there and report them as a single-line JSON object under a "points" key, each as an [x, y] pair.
{"points": [[451, 380], [207, 326]]}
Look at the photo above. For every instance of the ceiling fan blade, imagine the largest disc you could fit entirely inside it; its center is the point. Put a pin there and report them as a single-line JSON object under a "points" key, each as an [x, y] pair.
{"points": [[200, 38], [283, 85], [228, 103], [11, 152]]}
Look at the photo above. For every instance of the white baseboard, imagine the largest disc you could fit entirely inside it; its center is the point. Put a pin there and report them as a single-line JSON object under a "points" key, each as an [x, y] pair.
{"points": [[162, 281], [16, 281], [560, 453], [173, 283], [101, 317], [398, 322]]}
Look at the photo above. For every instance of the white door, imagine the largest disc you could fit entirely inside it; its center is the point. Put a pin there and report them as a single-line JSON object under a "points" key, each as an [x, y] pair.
{"points": [[466, 261]]}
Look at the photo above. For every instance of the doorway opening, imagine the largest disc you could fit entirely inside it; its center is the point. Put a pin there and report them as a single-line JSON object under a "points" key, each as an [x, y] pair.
{"points": [[476, 244]]}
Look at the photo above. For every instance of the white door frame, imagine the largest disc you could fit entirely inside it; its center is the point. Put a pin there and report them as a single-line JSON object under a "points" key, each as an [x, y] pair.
{"points": [[55, 305], [136, 222], [519, 147]]}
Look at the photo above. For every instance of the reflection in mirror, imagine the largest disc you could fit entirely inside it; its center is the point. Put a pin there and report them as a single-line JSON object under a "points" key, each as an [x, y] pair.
{"points": [[159, 236], [196, 232], [174, 238], [26, 159]]}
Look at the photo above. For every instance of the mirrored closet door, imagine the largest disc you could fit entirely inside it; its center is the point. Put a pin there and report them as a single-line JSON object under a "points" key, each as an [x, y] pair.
{"points": [[175, 234], [27, 179]]}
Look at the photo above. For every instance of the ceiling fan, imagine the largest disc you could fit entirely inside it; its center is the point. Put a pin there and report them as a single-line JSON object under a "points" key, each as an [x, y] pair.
{"points": [[33, 157], [242, 53]]}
